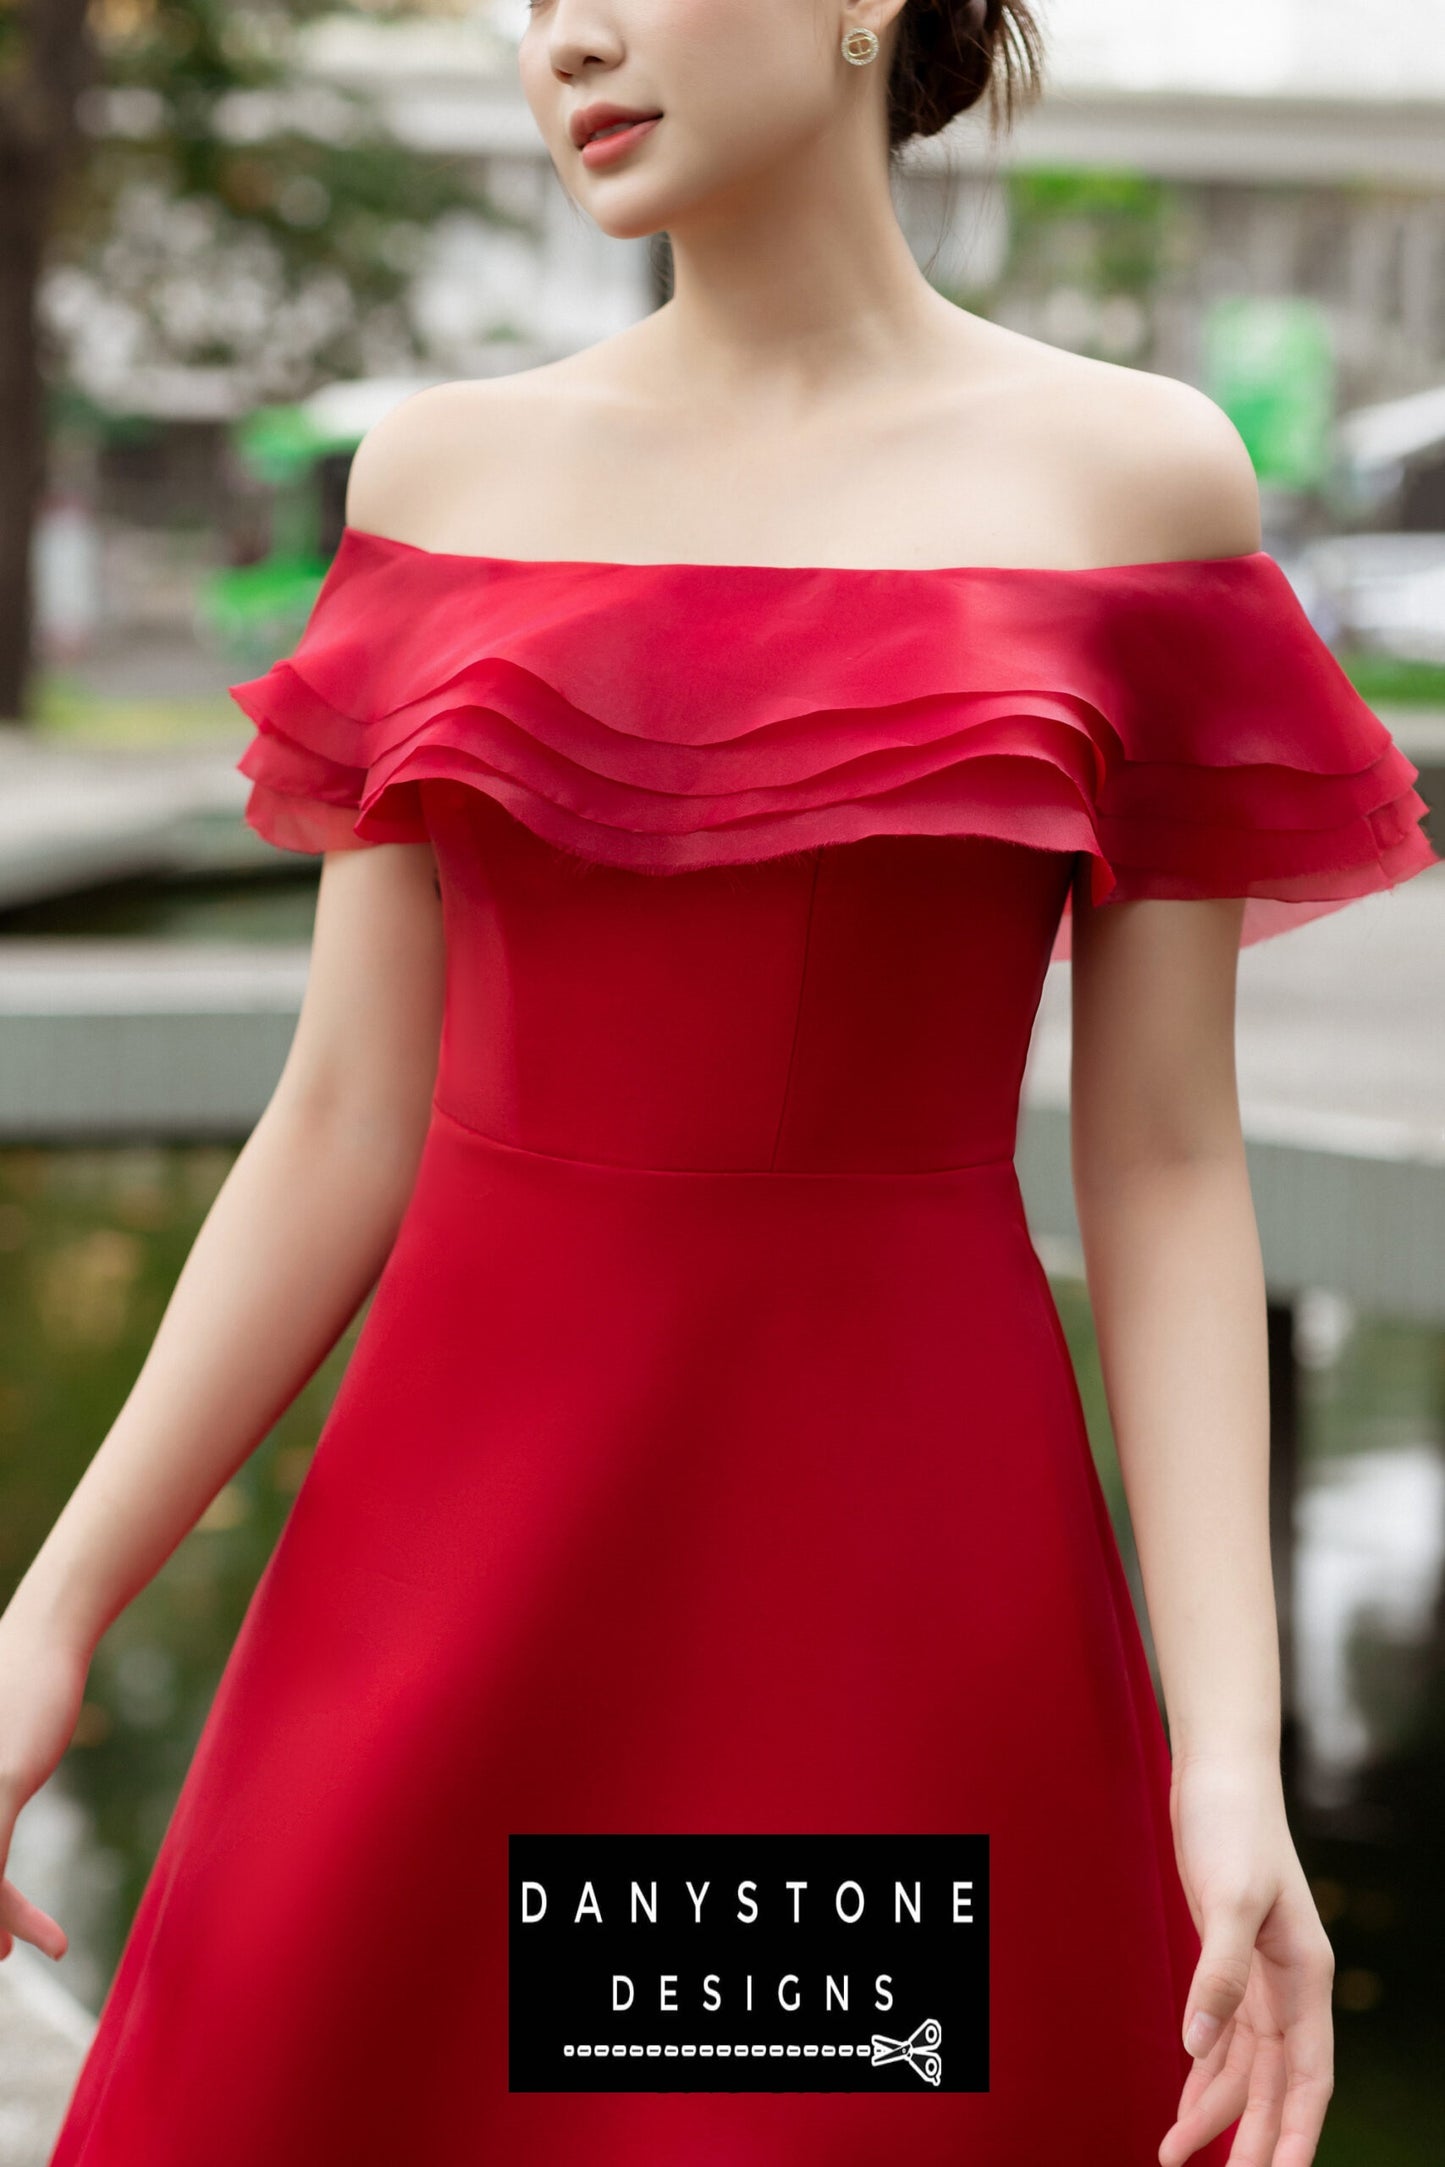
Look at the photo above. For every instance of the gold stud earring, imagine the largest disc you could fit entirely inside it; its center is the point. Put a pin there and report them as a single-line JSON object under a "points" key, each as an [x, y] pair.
{"points": [[860, 46]]}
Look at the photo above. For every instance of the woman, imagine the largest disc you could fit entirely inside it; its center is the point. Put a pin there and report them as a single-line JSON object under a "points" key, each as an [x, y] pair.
{"points": [[711, 737]]}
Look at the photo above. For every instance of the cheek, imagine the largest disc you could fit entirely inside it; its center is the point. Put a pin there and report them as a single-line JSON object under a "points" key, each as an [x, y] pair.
{"points": [[744, 78], [740, 81]]}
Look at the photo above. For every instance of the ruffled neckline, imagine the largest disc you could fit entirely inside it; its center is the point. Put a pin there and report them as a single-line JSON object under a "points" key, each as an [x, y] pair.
{"points": [[1178, 724]]}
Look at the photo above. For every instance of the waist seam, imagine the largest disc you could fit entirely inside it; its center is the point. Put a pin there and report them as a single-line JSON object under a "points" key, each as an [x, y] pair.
{"points": [[724, 1173]]}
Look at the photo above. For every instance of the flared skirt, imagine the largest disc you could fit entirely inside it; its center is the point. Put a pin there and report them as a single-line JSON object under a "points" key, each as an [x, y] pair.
{"points": [[657, 1501]]}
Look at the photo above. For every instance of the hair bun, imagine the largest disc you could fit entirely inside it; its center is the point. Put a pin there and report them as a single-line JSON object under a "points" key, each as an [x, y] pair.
{"points": [[950, 54]]}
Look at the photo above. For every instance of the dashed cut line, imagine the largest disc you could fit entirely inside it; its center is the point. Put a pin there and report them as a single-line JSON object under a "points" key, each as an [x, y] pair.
{"points": [[756, 2048]]}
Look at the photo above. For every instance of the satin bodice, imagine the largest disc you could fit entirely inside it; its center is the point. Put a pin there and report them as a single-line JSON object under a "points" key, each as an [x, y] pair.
{"points": [[853, 1009]]}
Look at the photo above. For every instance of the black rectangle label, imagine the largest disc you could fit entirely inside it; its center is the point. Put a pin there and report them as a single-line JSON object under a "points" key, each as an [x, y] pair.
{"points": [[745, 1963]]}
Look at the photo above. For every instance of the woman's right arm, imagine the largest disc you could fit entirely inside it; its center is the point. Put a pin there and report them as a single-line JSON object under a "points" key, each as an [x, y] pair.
{"points": [[292, 1244]]}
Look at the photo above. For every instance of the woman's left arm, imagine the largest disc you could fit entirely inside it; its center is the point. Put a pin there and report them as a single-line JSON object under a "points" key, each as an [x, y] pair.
{"points": [[1176, 1283]]}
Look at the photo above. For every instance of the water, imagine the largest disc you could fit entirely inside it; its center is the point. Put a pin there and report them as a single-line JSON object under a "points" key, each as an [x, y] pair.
{"points": [[269, 905]]}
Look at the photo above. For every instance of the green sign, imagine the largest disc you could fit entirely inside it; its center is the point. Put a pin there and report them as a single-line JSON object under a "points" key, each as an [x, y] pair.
{"points": [[1269, 362]]}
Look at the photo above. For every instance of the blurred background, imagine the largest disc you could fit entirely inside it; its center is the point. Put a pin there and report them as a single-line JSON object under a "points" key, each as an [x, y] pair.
{"points": [[233, 235]]}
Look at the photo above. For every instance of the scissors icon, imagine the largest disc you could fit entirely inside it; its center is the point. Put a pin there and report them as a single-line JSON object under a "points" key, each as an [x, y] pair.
{"points": [[919, 2050]]}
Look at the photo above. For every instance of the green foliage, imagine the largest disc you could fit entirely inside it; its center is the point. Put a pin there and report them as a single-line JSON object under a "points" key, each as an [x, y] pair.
{"points": [[1393, 678], [1102, 230]]}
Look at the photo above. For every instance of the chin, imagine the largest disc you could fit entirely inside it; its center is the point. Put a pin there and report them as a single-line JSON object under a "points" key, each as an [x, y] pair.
{"points": [[631, 206], [634, 220]]}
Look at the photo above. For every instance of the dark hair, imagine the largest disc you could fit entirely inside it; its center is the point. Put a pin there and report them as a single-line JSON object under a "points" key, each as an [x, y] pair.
{"points": [[950, 54]]}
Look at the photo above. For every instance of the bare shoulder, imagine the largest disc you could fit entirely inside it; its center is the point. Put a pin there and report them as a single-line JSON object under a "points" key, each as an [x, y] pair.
{"points": [[420, 472], [1123, 465], [404, 461], [1156, 468]]}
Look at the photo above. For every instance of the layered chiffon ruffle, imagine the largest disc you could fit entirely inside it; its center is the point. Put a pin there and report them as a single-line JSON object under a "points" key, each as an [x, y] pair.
{"points": [[1181, 724]]}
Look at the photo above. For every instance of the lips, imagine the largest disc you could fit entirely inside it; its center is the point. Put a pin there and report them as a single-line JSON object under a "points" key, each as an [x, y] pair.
{"points": [[591, 119], [614, 127], [613, 146]]}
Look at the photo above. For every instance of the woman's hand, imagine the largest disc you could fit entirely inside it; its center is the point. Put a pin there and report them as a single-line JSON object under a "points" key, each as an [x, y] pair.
{"points": [[42, 1685], [1257, 2017]]}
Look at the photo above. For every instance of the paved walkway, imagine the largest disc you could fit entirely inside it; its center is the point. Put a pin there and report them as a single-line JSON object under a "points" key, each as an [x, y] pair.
{"points": [[71, 817], [1341, 1028]]}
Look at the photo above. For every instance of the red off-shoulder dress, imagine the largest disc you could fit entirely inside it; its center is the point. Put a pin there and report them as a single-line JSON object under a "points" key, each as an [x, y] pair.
{"points": [[711, 1461]]}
